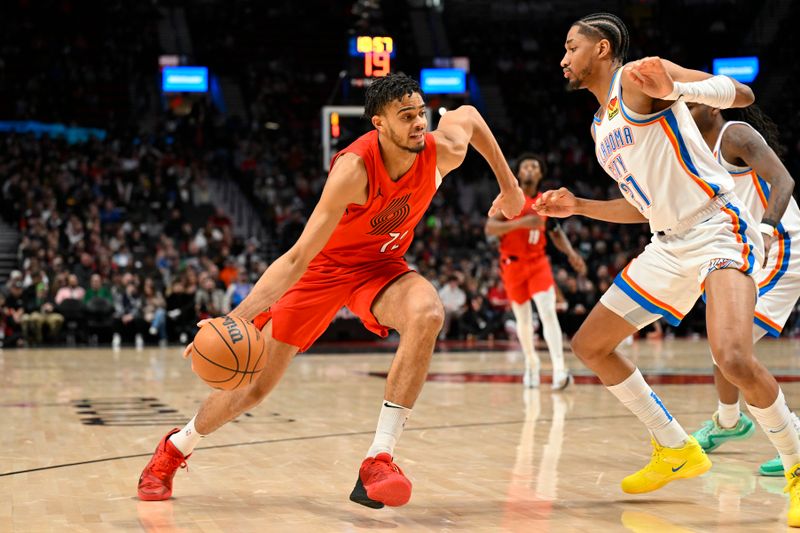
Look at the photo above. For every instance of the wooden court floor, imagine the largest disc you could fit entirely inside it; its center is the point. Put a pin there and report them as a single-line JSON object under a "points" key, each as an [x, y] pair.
{"points": [[79, 425]]}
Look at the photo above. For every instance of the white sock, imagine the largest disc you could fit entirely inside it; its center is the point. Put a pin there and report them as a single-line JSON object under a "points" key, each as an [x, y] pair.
{"points": [[524, 316], [776, 421], [390, 426], [551, 329], [187, 438], [728, 414], [637, 396]]}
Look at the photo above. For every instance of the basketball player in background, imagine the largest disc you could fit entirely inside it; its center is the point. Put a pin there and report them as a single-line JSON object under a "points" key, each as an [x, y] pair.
{"points": [[527, 274], [351, 253], [765, 186], [704, 239]]}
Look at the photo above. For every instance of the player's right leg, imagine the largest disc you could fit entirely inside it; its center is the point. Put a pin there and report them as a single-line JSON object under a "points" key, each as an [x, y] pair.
{"points": [[523, 314], [675, 454], [155, 482]]}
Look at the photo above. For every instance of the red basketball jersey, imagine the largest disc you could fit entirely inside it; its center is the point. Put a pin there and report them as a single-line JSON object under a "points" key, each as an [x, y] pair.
{"points": [[525, 244], [384, 226]]}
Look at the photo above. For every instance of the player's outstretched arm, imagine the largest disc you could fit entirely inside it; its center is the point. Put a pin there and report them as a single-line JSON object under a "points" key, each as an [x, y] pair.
{"points": [[661, 79], [464, 126], [346, 184], [741, 142], [561, 242], [561, 203]]}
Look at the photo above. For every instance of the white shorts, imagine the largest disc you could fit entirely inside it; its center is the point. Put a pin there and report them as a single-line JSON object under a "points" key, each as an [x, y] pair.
{"points": [[778, 284], [668, 277]]}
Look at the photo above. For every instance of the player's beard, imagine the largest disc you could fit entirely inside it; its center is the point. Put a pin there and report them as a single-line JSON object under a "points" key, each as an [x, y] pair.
{"points": [[576, 83], [398, 142]]}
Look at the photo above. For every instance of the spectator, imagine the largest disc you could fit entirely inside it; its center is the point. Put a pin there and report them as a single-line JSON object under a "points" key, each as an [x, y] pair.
{"points": [[210, 300], [40, 312], [229, 272], [479, 321], [10, 329], [155, 311], [129, 316], [97, 289], [238, 290], [71, 291], [454, 301], [85, 269], [181, 318]]}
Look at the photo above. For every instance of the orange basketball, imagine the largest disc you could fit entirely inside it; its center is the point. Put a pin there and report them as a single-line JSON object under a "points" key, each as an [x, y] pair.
{"points": [[228, 353]]}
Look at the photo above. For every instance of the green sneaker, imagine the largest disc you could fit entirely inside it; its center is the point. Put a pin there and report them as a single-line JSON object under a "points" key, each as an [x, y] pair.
{"points": [[712, 435], [772, 468]]}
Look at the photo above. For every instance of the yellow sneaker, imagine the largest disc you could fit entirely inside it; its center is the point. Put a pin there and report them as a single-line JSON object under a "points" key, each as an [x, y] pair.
{"points": [[668, 464], [793, 488]]}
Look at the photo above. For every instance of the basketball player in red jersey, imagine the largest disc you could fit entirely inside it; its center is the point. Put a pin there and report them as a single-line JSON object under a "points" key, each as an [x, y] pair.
{"points": [[351, 253], [527, 274]]}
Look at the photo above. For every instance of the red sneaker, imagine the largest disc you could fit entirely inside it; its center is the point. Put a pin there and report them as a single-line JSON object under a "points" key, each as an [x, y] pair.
{"points": [[155, 483], [381, 482]]}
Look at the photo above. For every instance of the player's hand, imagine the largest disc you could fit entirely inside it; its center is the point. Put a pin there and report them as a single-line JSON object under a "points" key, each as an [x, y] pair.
{"points": [[577, 263], [559, 203], [188, 350], [509, 202], [650, 76], [768, 241]]}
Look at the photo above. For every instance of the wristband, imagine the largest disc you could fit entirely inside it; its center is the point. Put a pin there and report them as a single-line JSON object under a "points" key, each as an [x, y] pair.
{"points": [[766, 229]]}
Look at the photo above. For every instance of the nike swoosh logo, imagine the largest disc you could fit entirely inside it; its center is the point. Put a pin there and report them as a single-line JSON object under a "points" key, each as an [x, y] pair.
{"points": [[387, 404], [676, 469], [779, 429]]}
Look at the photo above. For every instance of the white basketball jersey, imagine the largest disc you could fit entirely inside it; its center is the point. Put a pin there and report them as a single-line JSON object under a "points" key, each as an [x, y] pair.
{"points": [[660, 161], [754, 190]]}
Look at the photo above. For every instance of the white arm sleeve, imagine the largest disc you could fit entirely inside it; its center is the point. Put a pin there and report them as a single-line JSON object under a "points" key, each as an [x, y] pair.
{"points": [[717, 91]]}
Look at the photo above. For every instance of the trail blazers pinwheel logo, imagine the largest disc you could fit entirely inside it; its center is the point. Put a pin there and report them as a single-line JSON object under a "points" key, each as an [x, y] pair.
{"points": [[392, 217]]}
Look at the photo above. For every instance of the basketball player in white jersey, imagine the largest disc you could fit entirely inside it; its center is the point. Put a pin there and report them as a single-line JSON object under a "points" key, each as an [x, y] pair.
{"points": [[703, 240], [765, 186]]}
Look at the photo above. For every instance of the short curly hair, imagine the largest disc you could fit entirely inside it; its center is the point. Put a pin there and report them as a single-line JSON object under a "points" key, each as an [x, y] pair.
{"points": [[386, 89], [536, 157]]}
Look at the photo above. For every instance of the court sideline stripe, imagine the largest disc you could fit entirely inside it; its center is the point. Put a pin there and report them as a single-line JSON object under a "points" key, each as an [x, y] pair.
{"points": [[315, 437]]}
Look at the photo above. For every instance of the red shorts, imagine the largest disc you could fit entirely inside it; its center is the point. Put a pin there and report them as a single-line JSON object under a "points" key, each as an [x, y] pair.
{"points": [[524, 278], [304, 312]]}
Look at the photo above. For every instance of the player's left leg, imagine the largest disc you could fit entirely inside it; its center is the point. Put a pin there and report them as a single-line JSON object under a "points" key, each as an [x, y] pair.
{"points": [[551, 331], [410, 305], [731, 300]]}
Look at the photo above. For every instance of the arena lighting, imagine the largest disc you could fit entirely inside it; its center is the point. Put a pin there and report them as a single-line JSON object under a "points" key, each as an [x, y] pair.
{"points": [[184, 79], [443, 81], [743, 69]]}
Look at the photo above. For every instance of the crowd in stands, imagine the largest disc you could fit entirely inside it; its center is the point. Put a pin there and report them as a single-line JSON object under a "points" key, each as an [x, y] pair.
{"points": [[119, 243], [121, 240]]}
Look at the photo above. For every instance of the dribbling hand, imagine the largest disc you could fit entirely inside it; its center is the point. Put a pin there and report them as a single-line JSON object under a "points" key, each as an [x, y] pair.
{"points": [[650, 76], [188, 350], [559, 203], [510, 203]]}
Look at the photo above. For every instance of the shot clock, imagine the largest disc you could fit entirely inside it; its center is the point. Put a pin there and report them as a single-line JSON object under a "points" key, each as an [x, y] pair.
{"points": [[371, 58]]}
